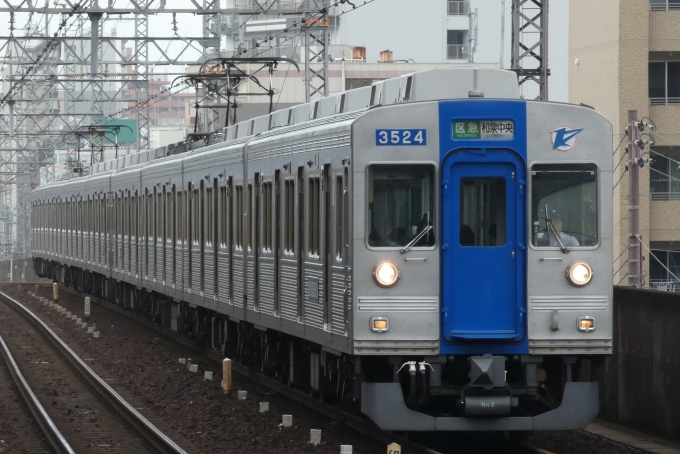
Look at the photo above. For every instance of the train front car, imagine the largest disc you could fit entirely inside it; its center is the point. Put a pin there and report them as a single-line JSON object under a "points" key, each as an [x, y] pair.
{"points": [[483, 258]]}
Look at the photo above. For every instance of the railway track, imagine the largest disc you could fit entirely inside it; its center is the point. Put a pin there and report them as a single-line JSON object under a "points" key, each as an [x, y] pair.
{"points": [[114, 418], [444, 443]]}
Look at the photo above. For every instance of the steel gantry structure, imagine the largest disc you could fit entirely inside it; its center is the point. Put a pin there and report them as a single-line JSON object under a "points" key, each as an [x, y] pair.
{"points": [[529, 57], [63, 72]]}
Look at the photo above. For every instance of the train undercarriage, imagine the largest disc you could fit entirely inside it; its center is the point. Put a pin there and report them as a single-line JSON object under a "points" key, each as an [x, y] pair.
{"points": [[442, 392]]}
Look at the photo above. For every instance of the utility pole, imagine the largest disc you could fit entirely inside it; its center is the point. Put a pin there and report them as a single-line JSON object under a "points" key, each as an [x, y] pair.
{"points": [[634, 159]]}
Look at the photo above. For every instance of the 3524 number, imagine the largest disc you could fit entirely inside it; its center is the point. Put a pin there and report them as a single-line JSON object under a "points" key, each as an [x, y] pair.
{"points": [[400, 137]]}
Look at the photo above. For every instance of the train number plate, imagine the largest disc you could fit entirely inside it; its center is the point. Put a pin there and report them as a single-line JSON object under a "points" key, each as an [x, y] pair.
{"points": [[400, 137]]}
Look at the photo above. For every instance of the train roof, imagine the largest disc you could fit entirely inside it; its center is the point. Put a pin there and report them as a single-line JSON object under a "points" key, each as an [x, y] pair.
{"points": [[428, 85]]}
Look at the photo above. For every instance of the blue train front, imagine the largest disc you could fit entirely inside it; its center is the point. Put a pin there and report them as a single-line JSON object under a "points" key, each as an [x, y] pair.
{"points": [[482, 242]]}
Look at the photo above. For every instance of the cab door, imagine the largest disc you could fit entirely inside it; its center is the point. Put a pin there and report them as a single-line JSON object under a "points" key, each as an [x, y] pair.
{"points": [[483, 249]]}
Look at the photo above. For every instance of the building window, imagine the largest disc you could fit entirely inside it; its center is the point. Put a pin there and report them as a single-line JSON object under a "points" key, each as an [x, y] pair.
{"points": [[664, 83], [663, 272], [458, 8], [664, 178], [664, 5], [456, 49]]}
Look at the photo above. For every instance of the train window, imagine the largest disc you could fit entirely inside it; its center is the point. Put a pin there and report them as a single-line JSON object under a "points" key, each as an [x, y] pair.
{"points": [[159, 216], [209, 206], [168, 214], [224, 216], [482, 211], [267, 216], [250, 225], [564, 205], [314, 215], [238, 218], [400, 204], [339, 207], [180, 219], [196, 216], [289, 222]]}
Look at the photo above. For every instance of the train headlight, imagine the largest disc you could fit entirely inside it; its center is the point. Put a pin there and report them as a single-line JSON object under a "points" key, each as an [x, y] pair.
{"points": [[579, 273], [385, 274]]}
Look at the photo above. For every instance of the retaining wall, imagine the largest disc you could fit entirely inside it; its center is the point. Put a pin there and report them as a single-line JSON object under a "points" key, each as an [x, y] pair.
{"points": [[641, 386]]}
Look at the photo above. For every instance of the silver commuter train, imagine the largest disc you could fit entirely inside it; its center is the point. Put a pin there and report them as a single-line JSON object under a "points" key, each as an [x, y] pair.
{"points": [[434, 247]]}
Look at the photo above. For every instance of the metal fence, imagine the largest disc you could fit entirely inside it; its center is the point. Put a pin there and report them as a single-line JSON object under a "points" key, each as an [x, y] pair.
{"points": [[458, 8], [456, 52], [664, 101], [664, 196], [664, 5]]}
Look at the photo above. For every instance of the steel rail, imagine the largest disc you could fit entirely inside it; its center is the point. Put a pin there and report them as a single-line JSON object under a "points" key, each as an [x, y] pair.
{"points": [[102, 389], [352, 420], [54, 437]]}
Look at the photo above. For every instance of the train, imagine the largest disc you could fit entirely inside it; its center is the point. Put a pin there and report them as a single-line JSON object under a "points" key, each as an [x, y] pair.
{"points": [[433, 249]]}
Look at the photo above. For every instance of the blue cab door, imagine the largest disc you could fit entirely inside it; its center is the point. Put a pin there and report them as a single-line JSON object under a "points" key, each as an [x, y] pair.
{"points": [[483, 250]]}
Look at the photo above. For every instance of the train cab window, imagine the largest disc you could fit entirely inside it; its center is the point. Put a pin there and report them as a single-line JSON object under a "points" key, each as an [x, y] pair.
{"points": [[564, 205], [482, 211], [401, 205]]}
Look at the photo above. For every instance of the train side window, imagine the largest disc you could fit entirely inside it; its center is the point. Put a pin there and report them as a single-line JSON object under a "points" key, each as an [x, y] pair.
{"points": [[251, 225], [179, 216], [196, 216], [289, 216], [564, 205], [267, 216], [314, 226], [209, 205], [482, 211], [224, 215], [168, 214], [159, 216], [400, 203], [238, 217], [339, 219]]}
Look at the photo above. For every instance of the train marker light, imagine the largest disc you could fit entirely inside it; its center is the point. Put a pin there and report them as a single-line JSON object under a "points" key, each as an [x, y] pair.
{"points": [[579, 273], [385, 274], [585, 324], [380, 324]]}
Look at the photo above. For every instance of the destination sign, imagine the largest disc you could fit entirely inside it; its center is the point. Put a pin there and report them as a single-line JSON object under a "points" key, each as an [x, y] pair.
{"points": [[483, 129]]}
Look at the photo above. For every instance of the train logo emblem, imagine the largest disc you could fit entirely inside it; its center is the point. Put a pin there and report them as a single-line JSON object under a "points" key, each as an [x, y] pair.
{"points": [[564, 138]]}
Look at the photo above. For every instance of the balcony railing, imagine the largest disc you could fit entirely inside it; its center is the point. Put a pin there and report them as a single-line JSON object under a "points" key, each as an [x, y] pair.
{"points": [[667, 196], [458, 8], [456, 52], [668, 5], [664, 101]]}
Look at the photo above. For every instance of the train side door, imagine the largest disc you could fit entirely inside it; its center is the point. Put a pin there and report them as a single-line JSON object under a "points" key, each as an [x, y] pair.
{"points": [[483, 248]]}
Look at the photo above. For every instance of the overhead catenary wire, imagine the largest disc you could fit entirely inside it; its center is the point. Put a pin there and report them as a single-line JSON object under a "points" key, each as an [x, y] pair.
{"points": [[285, 30], [621, 267], [622, 252], [619, 180], [617, 147], [624, 276], [38, 61]]}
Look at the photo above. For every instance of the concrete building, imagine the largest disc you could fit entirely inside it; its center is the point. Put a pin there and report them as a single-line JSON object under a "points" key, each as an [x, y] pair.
{"points": [[623, 56]]}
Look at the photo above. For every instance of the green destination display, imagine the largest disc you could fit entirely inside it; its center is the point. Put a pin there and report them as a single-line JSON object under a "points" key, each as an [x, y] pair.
{"points": [[483, 129]]}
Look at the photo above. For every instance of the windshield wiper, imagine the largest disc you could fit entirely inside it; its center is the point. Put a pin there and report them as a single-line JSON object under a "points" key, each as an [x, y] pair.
{"points": [[556, 234], [553, 230], [415, 240]]}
